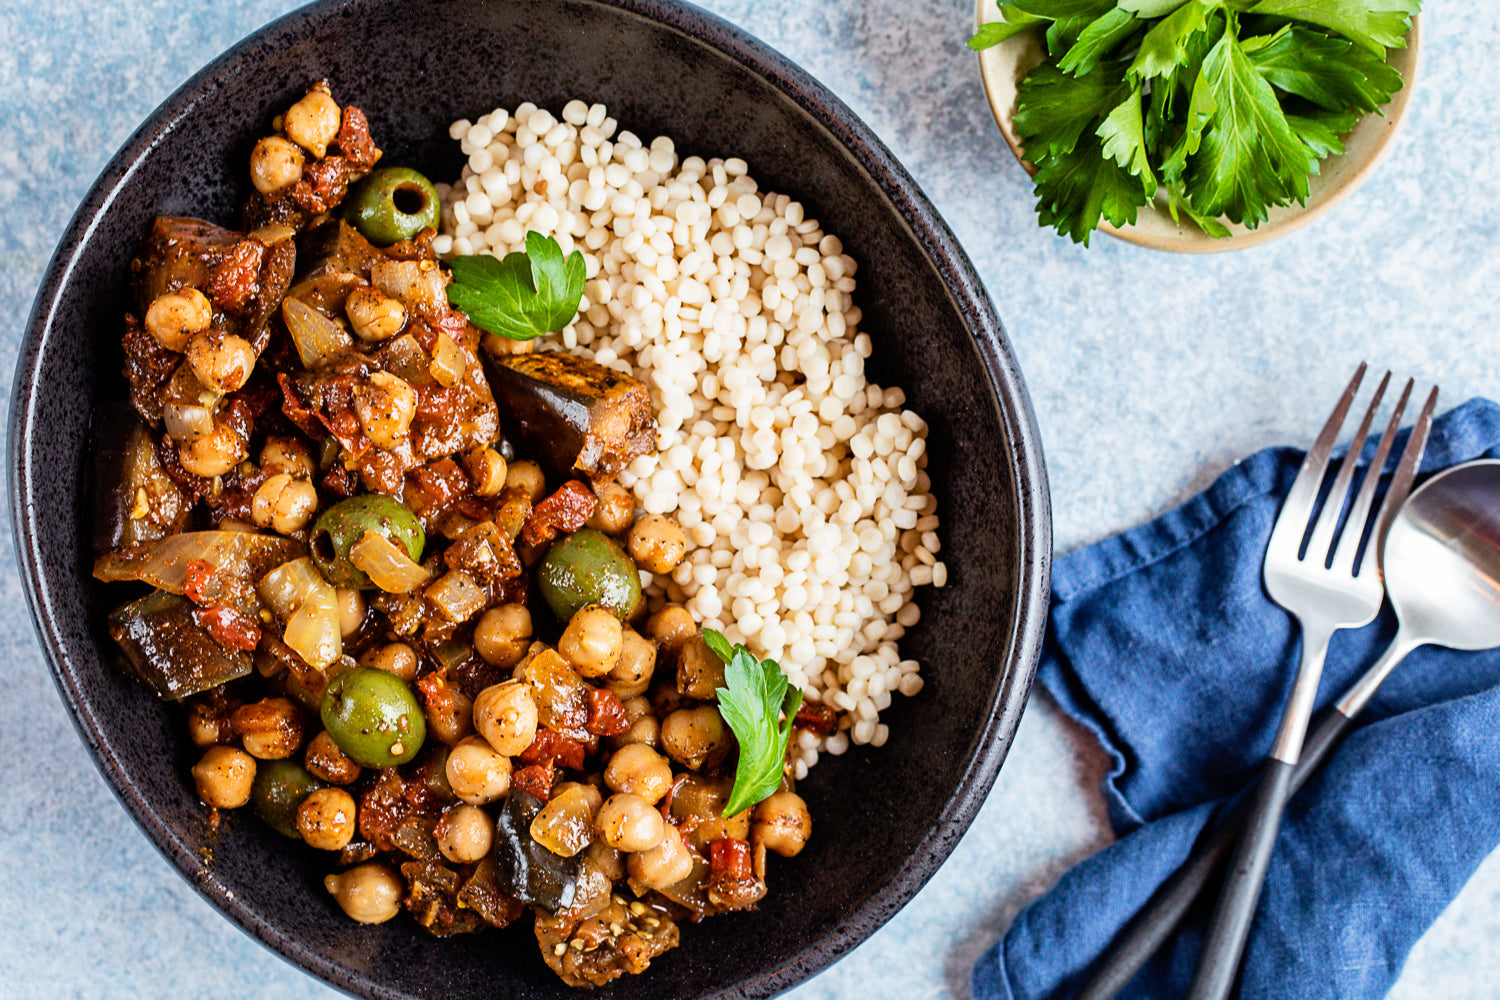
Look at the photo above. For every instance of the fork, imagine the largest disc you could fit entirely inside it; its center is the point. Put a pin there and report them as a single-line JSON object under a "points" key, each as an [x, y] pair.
{"points": [[1326, 586]]}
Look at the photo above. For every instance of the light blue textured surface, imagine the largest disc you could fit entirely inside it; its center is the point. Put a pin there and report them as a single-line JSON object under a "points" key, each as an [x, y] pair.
{"points": [[1148, 372]]}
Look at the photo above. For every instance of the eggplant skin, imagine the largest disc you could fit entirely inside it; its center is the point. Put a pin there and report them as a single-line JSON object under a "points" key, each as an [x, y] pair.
{"points": [[333, 259], [134, 500], [244, 278], [574, 415], [169, 650]]}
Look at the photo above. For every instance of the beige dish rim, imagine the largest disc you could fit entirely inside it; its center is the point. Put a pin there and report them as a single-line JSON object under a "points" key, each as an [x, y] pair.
{"points": [[1002, 66]]}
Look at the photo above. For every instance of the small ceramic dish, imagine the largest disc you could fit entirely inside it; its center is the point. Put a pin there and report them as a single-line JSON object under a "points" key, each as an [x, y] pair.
{"points": [[1003, 67]]}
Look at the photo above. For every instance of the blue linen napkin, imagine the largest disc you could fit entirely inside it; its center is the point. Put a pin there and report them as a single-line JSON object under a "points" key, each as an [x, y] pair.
{"points": [[1163, 643]]}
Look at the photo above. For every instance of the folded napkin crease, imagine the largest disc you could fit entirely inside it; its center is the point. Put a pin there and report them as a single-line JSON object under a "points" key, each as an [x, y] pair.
{"points": [[1163, 643]]}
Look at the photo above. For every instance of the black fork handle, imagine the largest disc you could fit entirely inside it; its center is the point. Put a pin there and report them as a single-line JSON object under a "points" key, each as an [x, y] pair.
{"points": [[1149, 929]]}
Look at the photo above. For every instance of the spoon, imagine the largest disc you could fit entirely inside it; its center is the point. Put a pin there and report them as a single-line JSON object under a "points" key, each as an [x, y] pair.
{"points": [[1441, 562]]}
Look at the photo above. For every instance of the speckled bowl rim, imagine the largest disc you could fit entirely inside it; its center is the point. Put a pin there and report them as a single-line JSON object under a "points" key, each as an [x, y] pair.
{"points": [[1011, 403], [1366, 146]]}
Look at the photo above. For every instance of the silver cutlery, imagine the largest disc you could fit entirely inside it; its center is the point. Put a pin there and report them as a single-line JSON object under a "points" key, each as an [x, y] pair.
{"points": [[1328, 581]]}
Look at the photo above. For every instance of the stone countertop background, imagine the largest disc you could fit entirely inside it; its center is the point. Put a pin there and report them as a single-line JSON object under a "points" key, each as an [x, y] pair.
{"points": [[1149, 374]]}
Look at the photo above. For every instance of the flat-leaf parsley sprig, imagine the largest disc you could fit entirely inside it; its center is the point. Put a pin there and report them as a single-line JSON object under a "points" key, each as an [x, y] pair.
{"points": [[759, 705], [522, 296], [1225, 107]]}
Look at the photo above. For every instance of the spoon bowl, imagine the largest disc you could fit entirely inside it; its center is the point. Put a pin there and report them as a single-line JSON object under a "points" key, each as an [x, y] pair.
{"points": [[1441, 559]]}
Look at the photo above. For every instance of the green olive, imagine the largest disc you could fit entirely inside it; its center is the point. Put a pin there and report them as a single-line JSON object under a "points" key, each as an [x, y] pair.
{"points": [[279, 788], [374, 717], [343, 524], [589, 567], [392, 204]]}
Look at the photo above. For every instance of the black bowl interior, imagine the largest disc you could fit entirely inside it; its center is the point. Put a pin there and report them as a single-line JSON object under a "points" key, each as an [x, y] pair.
{"points": [[884, 819]]}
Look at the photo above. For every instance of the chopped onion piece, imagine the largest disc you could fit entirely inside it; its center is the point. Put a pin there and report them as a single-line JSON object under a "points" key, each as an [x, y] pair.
{"points": [[387, 565], [448, 365], [313, 629], [289, 585], [317, 337], [457, 596], [187, 422]]}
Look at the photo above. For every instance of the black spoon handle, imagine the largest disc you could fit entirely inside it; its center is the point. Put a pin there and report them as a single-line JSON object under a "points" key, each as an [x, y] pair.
{"points": [[1133, 947]]}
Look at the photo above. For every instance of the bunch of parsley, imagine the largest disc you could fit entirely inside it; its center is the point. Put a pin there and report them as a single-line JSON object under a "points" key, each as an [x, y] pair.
{"points": [[1224, 106]]}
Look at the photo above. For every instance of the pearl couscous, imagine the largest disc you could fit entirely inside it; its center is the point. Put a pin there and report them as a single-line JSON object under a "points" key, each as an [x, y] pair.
{"points": [[801, 485]]}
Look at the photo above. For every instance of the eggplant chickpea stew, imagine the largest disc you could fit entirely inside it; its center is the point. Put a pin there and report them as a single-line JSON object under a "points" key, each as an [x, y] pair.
{"points": [[522, 542]]}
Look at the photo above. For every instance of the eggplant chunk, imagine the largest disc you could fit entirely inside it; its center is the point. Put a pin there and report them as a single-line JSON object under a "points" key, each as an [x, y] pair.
{"points": [[526, 870], [134, 499], [169, 651], [244, 278], [573, 414], [334, 260]]}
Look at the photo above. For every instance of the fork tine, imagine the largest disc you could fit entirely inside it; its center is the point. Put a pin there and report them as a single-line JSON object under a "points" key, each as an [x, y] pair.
{"points": [[1297, 508], [1406, 471], [1359, 511], [1321, 544]]}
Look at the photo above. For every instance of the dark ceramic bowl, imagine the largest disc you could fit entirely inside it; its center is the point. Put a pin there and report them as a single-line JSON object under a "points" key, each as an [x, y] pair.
{"points": [[884, 819]]}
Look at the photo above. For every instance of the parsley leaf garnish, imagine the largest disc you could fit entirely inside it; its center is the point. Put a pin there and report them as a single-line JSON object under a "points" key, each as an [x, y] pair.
{"points": [[522, 296], [1218, 109], [753, 701], [1249, 158], [1375, 24]]}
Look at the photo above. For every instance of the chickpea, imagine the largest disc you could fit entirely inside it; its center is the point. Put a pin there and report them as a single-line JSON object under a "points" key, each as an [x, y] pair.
{"points": [[526, 477], [385, 405], [782, 823], [208, 725], [671, 627], [326, 819], [666, 864], [270, 729], [395, 658], [351, 605], [700, 673], [174, 317], [288, 455], [313, 122], [644, 727], [506, 716], [486, 470], [605, 860], [465, 833], [373, 315], [629, 823], [284, 504], [631, 675], [503, 634], [325, 760], [476, 773], [592, 641], [275, 163], [613, 513], [646, 731], [450, 714], [224, 777], [691, 735], [222, 361], [214, 454], [657, 543], [370, 893], [638, 770]]}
